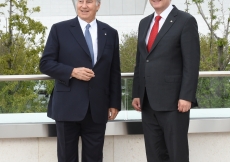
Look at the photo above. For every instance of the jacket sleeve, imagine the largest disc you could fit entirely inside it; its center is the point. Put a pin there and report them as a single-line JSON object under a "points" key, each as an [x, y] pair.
{"points": [[136, 84], [115, 78], [190, 48], [49, 63]]}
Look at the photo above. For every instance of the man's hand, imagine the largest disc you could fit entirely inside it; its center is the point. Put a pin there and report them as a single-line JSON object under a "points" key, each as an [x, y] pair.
{"points": [[112, 113], [82, 73], [184, 106], [136, 104]]}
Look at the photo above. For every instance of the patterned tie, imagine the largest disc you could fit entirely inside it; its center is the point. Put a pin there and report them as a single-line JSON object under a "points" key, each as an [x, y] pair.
{"points": [[89, 42], [153, 33]]}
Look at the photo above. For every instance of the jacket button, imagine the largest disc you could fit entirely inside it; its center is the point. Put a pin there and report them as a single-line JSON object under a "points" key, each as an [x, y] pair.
{"points": [[147, 60]]}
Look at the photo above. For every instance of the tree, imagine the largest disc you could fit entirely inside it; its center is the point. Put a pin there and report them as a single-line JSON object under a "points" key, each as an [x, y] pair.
{"points": [[21, 44], [215, 55], [128, 49], [218, 45]]}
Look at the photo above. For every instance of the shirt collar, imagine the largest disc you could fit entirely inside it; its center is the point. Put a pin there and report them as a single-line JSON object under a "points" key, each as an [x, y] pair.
{"points": [[84, 23], [165, 13]]}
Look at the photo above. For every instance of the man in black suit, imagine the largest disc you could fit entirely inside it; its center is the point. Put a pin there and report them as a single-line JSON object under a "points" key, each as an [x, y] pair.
{"points": [[82, 55], [165, 80]]}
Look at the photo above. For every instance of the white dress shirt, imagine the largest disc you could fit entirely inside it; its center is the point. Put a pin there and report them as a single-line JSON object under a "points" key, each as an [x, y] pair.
{"points": [[164, 16], [93, 33]]}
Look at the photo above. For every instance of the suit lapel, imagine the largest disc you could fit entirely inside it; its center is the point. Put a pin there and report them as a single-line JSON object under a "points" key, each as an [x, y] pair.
{"points": [[76, 31], [145, 29], [102, 37], [170, 20]]}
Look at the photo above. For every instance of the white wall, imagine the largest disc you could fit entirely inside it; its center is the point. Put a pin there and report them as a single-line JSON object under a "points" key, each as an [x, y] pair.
{"points": [[211, 147]]}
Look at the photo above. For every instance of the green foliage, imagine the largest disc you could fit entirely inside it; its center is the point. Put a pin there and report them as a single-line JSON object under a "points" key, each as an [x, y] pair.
{"points": [[222, 42], [215, 55], [21, 97], [128, 49], [213, 92], [127, 93], [198, 1], [215, 22], [208, 60], [20, 47]]}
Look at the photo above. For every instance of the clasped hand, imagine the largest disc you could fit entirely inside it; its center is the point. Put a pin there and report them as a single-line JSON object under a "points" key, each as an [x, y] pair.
{"points": [[82, 73]]}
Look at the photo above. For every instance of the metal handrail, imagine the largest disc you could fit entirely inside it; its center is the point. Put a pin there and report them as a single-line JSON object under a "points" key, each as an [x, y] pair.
{"points": [[123, 75], [42, 128]]}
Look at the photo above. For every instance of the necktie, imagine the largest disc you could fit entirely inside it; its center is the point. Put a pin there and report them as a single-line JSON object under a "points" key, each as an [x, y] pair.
{"points": [[153, 33], [89, 42]]}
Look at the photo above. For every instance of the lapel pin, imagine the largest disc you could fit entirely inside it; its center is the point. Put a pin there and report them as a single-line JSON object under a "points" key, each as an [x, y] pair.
{"points": [[105, 34], [171, 21]]}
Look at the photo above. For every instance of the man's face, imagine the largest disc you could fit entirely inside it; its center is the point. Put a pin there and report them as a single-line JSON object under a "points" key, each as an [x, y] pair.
{"points": [[87, 9], [160, 5]]}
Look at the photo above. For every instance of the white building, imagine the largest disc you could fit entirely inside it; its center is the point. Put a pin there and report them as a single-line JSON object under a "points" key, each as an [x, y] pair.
{"points": [[123, 15]]}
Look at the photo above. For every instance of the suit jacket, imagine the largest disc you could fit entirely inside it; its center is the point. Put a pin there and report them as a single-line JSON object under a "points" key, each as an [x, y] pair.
{"points": [[67, 49], [170, 70]]}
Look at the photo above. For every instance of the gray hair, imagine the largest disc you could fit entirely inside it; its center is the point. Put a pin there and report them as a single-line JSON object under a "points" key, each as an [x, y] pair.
{"points": [[98, 2]]}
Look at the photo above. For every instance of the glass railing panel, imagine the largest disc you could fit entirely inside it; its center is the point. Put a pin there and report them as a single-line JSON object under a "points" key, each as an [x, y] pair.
{"points": [[128, 113], [214, 92], [30, 94], [24, 96], [213, 96]]}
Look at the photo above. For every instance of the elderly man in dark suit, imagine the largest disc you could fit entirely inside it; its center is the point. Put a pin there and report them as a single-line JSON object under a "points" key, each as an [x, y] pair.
{"points": [[82, 55], [165, 80]]}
